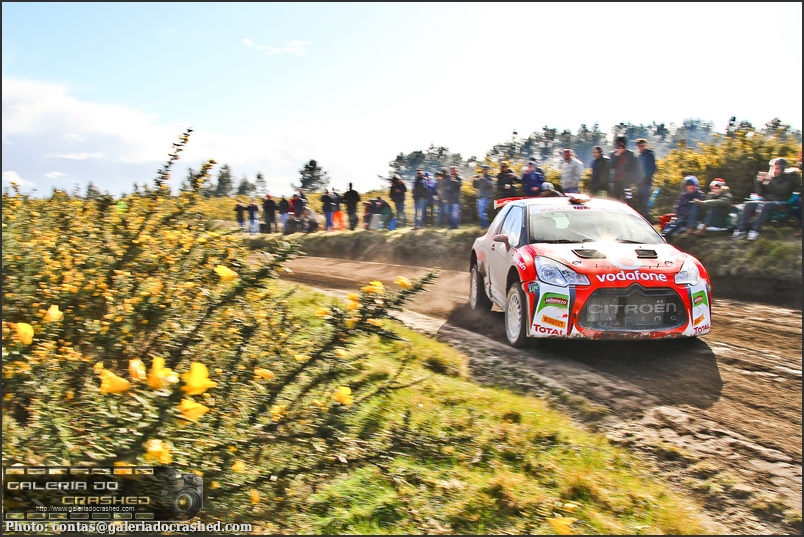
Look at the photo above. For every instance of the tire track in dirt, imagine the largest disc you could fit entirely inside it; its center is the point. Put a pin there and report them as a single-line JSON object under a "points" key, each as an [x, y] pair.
{"points": [[719, 416]]}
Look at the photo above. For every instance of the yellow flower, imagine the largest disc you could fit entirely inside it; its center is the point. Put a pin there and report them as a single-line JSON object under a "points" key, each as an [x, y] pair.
{"points": [[53, 314], [192, 410], [157, 450], [403, 282], [374, 287], [562, 525], [343, 395], [97, 368], [238, 466], [214, 485], [374, 322], [254, 494], [225, 273], [352, 305], [301, 357], [354, 297], [264, 373], [111, 383], [340, 353], [25, 332], [323, 312], [350, 323], [160, 376], [277, 411], [136, 369], [197, 379]]}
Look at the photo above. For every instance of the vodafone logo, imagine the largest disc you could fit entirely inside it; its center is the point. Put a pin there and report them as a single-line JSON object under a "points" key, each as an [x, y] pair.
{"points": [[631, 276]]}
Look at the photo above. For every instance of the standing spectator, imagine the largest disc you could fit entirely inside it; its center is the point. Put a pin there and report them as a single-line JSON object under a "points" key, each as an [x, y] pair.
{"points": [[240, 212], [269, 212], [351, 198], [622, 171], [600, 172], [303, 197], [430, 220], [337, 214], [506, 180], [647, 166], [420, 194], [772, 193], [442, 182], [485, 192], [298, 210], [532, 180], [454, 197], [284, 209], [571, 169], [327, 208], [397, 195], [686, 211], [254, 216], [717, 205]]}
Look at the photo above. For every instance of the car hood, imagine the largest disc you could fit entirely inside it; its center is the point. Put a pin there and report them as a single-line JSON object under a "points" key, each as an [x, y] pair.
{"points": [[597, 257]]}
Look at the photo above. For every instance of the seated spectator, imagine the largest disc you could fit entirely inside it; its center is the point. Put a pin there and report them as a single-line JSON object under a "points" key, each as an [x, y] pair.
{"points": [[384, 209], [717, 206], [686, 211], [772, 194], [549, 191]]}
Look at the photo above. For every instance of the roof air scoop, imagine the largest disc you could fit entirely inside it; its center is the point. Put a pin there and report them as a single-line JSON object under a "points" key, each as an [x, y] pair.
{"points": [[649, 254]]}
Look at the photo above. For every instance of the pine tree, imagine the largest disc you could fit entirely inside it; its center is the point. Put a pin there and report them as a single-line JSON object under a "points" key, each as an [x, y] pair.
{"points": [[92, 191], [260, 186], [244, 188], [225, 183], [313, 178]]}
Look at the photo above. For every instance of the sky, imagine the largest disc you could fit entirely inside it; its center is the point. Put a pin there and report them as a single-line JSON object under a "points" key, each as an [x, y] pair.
{"points": [[99, 91]]}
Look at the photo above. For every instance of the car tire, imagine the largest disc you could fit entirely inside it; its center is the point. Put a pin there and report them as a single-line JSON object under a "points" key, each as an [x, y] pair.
{"points": [[478, 299], [516, 316]]}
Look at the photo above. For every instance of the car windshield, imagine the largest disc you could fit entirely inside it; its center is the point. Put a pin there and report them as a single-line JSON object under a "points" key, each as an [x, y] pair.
{"points": [[585, 224]]}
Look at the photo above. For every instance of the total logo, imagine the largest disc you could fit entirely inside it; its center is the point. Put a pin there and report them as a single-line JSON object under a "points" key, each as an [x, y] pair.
{"points": [[631, 276], [546, 330], [701, 329]]}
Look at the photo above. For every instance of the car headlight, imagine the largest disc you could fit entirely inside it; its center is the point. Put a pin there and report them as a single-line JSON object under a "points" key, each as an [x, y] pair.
{"points": [[556, 273], [689, 273]]}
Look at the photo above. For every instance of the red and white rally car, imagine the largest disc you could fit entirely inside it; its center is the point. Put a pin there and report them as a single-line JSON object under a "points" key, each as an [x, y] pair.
{"points": [[576, 267]]}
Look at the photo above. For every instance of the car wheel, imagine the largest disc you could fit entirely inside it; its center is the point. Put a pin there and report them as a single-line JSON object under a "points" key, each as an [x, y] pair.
{"points": [[516, 316], [478, 299]]}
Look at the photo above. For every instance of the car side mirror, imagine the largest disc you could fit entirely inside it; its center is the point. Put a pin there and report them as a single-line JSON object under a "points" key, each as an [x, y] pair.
{"points": [[503, 238]]}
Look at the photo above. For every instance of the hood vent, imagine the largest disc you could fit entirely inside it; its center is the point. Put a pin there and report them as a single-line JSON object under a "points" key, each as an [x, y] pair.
{"points": [[650, 254], [588, 254]]}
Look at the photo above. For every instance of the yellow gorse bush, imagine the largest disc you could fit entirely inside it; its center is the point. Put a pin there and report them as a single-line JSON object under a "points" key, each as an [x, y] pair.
{"points": [[123, 314]]}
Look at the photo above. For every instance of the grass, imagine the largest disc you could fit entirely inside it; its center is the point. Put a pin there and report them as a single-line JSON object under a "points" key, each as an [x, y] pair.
{"points": [[461, 458]]}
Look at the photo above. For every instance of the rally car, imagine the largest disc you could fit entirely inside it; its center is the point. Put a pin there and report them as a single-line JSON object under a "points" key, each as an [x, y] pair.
{"points": [[576, 267]]}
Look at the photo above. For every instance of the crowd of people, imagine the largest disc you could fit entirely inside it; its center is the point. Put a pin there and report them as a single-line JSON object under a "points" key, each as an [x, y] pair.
{"points": [[622, 175]]}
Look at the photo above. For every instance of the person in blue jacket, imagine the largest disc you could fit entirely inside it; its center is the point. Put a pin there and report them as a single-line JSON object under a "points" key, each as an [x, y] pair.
{"points": [[686, 211], [532, 180]]}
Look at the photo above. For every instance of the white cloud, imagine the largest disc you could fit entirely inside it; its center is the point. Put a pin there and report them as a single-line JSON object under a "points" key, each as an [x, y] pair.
{"points": [[12, 177], [79, 156], [72, 138], [295, 46], [53, 175]]}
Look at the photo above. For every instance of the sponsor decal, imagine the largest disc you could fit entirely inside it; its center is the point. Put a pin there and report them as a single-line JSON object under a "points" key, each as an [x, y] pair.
{"points": [[553, 322], [701, 329], [698, 320], [699, 298], [700, 307], [521, 265], [632, 276], [556, 301], [644, 309], [533, 288], [546, 330]]}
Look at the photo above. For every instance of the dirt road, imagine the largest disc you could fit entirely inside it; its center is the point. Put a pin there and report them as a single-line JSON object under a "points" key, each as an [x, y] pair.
{"points": [[719, 416]]}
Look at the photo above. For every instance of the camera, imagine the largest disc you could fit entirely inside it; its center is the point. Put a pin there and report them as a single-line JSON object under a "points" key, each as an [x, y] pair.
{"points": [[184, 494]]}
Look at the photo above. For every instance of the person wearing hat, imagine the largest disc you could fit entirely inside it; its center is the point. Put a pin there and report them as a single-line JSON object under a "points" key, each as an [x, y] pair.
{"points": [[532, 180], [772, 194], [549, 191], [717, 205], [623, 171], [506, 180], [419, 198], [686, 211], [397, 195], [599, 183], [484, 183]]}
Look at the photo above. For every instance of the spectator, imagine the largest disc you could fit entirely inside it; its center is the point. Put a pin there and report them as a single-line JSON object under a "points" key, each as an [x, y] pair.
{"points": [[337, 214], [506, 180], [351, 198], [327, 208], [485, 193], [571, 169], [397, 194], [685, 209], [284, 209], [419, 199], [454, 198], [269, 212], [298, 209], [600, 172], [382, 208], [431, 200], [441, 179], [549, 191], [647, 162], [622, 171], [717, 204], [772, 193], [532, 180], [240, 211], [254, 216]]}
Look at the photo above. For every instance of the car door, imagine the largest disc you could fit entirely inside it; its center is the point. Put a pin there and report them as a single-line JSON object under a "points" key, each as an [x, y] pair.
{"points": [[501, 256]]}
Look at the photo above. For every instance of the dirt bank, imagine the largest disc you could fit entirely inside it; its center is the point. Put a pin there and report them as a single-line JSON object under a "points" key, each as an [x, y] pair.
{"points": [[720, 416]]}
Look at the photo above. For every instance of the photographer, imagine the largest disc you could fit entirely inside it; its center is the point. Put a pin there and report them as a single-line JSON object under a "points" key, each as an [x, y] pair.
{"points": [[771, 195]]}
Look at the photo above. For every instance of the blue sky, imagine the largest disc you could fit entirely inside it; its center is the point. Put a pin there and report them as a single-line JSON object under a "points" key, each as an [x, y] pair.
{"points": [[99, 91]]}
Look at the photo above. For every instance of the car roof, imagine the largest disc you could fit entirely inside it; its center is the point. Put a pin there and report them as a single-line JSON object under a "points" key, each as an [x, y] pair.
{"points": [[564, 201]]}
